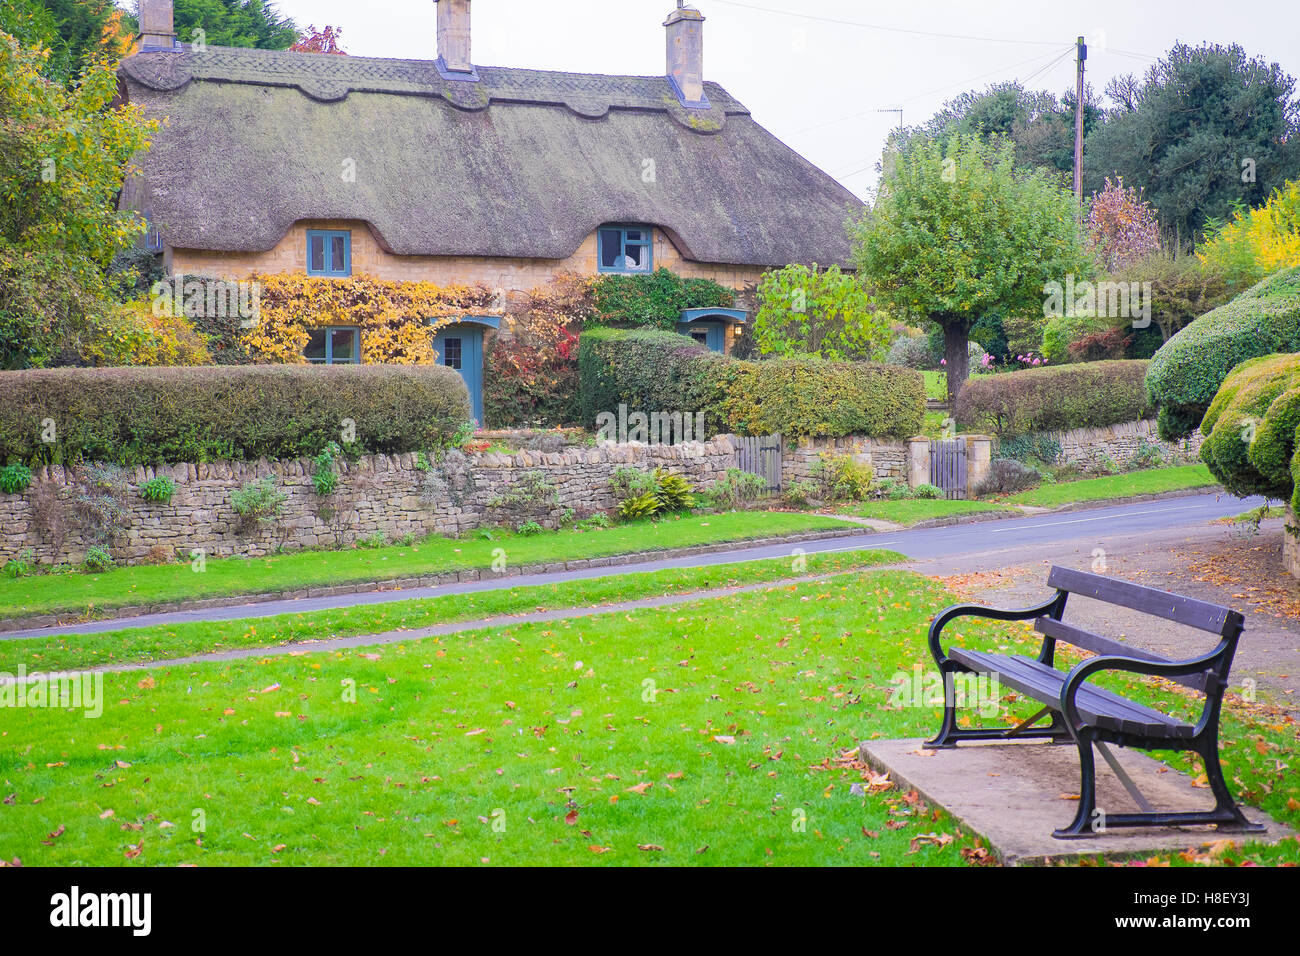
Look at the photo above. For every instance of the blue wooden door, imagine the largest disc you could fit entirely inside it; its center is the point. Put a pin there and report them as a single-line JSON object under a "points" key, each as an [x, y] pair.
{"points": [[460, 346], [708, 334]]}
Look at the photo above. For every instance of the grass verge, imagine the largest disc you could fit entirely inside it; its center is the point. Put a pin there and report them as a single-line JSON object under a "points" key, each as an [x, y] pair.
{"points": [[96, 595], [137, 645], [913, 510], [1152, 482], [713, 733]]}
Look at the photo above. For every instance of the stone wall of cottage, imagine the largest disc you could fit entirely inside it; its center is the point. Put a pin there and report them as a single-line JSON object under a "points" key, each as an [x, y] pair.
{"points": [[505, 274], [379, 497], [1090, 447]]}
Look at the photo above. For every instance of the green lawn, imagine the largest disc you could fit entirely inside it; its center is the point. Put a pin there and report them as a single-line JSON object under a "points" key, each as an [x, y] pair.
{"points": [[709, 733], [936, 382], [95, 595], [914, 510], [1154, 481], [137, 645]]}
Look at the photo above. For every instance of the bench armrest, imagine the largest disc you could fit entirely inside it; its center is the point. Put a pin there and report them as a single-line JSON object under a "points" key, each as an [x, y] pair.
{"points": [[1052, 608], [1193, 665]]}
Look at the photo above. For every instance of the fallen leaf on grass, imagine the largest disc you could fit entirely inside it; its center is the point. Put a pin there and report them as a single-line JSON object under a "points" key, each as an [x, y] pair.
{"points": [[599, 849], [650, 847], [571, 818], [49, 841], [640, 787], [935, 839], [724, 739]]}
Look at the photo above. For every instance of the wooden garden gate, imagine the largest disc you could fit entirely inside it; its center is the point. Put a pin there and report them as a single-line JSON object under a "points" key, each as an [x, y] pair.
{"points": [[761, 456], [948, 467]]}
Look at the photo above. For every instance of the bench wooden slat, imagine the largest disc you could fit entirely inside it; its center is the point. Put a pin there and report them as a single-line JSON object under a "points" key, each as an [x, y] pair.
{"points": [[1106, 646], [1172, 607], [1096, 705]]}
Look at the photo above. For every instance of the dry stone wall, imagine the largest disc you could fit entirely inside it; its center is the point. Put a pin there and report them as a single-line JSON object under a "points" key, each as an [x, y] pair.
{"points": [[378, 498], [1089, 448]]}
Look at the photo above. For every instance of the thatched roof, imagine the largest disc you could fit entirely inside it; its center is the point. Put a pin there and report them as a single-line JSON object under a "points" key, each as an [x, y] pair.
{"points": [[523, 163]]}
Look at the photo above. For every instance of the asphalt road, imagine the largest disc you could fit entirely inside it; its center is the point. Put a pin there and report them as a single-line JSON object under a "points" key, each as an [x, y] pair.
{"points": [[974, 545]]}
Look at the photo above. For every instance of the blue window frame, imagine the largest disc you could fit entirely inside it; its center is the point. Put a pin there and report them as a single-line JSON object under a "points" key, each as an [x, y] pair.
{"points": [[627, 249], [334, 345], [329, 253]]}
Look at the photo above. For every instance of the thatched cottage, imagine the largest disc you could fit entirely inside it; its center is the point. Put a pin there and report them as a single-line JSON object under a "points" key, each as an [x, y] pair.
{"points": [[453, 172]]}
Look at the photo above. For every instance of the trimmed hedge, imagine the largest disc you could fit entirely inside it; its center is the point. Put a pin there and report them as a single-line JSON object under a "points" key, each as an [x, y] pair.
{"points": [[647, 370], [1252, 429], [133, 416], [1187, 371], [652, 371], [810, 397], [1056, 398]]}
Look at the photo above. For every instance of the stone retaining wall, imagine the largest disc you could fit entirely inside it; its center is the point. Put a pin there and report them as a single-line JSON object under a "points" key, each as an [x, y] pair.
{"points": [[887, 459], [1090, 447], [377, 497]]}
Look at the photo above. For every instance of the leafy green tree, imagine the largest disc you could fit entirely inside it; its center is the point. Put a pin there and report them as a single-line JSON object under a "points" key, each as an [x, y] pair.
{"points": [[805, 311], [1205, 130], [75, 31], [242, 23], [960, 232], [1040, 125], [63, 155]]}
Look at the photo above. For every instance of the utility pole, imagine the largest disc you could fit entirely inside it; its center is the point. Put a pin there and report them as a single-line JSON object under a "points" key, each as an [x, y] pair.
{"points": [[1081, 49]]}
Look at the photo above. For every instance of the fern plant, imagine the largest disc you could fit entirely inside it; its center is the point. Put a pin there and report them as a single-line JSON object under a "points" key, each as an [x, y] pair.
{"points": [[673, 492], [638, 506]]}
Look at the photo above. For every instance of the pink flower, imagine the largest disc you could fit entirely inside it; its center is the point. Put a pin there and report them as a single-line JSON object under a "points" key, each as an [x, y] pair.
{"points": [[943, 361]]}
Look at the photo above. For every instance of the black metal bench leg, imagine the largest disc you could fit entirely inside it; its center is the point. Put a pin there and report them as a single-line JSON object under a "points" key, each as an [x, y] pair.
{"points": [[948, 729], [1083, 820], [1224, 805]]}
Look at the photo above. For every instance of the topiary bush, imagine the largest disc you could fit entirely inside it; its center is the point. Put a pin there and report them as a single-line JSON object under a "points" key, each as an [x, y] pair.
{"points": [[1055, 398], [1186, 372], [1252, 429], [135, 416]]}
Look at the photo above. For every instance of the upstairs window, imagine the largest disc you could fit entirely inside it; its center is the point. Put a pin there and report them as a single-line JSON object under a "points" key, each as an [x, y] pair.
{"points": [[334, 345], [329, 253], [625, 249]]}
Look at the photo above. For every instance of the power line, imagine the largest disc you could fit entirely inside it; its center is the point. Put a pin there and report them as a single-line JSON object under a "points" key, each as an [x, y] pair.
{"points": [[880, 26], [973, 79]]}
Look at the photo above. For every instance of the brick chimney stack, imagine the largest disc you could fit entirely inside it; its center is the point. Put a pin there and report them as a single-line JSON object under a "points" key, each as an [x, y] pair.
{"points": [[686, 54]]}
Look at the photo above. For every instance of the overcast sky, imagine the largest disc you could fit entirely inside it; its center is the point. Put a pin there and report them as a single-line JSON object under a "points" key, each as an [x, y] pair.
{"points": [[816, 83]]}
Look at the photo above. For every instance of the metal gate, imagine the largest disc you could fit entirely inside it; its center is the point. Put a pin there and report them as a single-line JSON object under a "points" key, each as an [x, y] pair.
{"points": [[948, 467], [762, 456]]}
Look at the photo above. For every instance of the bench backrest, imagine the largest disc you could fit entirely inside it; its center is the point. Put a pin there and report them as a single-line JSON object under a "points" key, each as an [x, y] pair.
{"points": [[1191, 612]]}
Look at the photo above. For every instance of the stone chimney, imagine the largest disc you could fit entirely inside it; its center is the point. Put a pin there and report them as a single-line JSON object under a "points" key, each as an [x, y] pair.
{"points": [[453, 38], [686, 55], [157, 27]]}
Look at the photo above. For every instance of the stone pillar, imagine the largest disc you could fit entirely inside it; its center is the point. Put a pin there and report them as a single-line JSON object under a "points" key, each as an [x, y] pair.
{"points": [[685, 27], [1291, 543], [918, 461], [979, 456]]}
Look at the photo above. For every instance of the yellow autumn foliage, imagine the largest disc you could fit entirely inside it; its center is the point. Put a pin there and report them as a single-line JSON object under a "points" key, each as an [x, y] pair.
{"points": [[1263, 240], [398, 320]]}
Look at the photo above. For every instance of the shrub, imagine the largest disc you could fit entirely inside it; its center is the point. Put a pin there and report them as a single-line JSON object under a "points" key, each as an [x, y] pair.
{"points": [[912, 351], [97, 561], [99, 504], [927, 492], [1007, 476], [801, 493], [158, 489], [1031, 447], [631, 483], [1252, 429], [826, 313], [798, 397], [648, 371], [15, 479], [655, 301], [22, 565], [894, 489], [1147, 455], [734, 489], [638, 506], [673, 492], [1188, 370], [324, 479], [258, 502], [1089, 395], [842, 478], [132, 416]]}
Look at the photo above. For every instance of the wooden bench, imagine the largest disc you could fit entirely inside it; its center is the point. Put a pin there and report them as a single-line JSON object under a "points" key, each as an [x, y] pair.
{"points": [[1089, 716]]}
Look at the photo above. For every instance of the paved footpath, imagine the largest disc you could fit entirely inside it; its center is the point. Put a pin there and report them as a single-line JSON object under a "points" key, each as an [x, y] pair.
{"points": [[978, 544]]}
